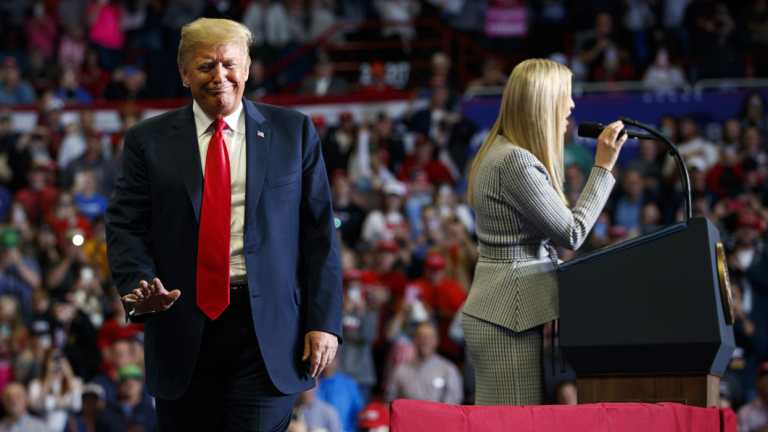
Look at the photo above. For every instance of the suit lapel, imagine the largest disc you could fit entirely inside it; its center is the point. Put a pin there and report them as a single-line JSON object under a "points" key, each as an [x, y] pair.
{"points": [[258, 137], [184, 137]]}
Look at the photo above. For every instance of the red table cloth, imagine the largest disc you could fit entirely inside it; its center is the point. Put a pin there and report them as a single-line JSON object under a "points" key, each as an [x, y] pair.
{"points": [[421, 416]]}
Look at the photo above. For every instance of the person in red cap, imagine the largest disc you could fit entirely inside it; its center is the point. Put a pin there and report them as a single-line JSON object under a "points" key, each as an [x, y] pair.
{"points": [[376, 80], [424, 160], [444, 296], [392, 280], [39, 196], [388, 267], [374, 418], [389, 222]]}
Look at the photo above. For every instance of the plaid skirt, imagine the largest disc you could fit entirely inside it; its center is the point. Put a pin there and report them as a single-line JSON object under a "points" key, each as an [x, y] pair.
{"points": [[508, 364]]}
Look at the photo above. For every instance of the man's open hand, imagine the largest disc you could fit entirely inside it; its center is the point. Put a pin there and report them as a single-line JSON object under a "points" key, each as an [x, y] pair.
{"points": [[150, 297]]}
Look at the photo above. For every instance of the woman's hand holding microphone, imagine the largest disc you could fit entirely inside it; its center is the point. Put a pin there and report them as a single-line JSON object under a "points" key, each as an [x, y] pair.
{"points": [[609, 144]]}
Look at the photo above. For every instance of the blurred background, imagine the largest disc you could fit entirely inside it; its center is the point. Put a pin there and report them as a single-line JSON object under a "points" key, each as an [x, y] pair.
{"points": [[402, 93]]}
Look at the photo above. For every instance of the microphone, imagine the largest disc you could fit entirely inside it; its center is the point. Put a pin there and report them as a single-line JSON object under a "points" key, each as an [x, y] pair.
{"points": [[593, 130]]}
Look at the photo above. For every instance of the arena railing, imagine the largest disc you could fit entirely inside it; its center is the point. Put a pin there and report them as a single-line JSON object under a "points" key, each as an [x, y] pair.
{"points": [[596, 88], [361, 105]]}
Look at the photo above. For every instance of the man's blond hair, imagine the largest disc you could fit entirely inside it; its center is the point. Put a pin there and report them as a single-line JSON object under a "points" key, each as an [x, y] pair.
{"points": [[207, 32]]}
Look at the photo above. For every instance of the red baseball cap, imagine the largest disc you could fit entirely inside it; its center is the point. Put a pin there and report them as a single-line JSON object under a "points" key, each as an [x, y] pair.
{"points": [[369, 277], [375, 414], [434, 261], [353, 274], [749, 219], [319, 121]]}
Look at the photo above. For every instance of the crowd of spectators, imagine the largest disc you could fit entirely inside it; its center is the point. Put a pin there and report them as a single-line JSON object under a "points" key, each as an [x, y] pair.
{"points": [[82, 51], [408, 256], [69, 361]]}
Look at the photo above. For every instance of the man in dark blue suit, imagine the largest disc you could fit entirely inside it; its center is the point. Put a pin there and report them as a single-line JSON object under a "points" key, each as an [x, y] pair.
{"points": [[221, 241]]}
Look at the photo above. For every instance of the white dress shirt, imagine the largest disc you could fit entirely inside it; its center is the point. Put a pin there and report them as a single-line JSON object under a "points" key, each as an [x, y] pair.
{"points": [[234, 139]]}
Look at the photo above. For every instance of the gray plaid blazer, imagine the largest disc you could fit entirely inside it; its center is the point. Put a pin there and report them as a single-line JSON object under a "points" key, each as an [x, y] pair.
{"points": [[518, 213]]}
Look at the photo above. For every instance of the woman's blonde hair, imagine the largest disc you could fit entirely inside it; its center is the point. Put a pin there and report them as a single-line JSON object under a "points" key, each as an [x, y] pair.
{"points": [[534, 103], [206, 32]]}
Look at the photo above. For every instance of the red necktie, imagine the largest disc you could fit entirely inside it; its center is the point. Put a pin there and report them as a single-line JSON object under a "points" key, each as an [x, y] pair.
{"points": [[213, 238]]}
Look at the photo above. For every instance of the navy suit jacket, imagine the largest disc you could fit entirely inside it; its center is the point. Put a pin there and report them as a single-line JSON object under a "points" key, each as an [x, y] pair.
{"points": [[290, 246]]}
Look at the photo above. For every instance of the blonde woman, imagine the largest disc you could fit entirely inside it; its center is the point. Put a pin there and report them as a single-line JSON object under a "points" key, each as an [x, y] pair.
{"points": [[515, 188]]}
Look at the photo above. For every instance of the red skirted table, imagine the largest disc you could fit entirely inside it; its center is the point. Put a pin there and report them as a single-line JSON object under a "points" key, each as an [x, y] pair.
{"points": [[420, 416]]}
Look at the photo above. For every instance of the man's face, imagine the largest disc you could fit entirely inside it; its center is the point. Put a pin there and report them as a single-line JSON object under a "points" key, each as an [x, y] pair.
{"points": [[37, 179], [92, 403], [135, 82], [64, 312], [324, 70], [6, 122], [688, 129], [732, 128], [425, 340], [121, 353], [15, 400], [439, 97], [435, 274], [216, 77], [10, 74], [130, 388], [69, 80], [603, 24], [384, 126], [387, 260], [341, 187], [752, 139], [633, 184]]}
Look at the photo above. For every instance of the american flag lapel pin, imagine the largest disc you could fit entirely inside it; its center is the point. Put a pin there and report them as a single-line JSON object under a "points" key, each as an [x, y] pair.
{"points": [[260, 134]]}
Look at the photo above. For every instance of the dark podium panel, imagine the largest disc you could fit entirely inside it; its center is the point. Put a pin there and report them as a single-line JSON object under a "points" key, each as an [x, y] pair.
{"points": [[645, 310]]}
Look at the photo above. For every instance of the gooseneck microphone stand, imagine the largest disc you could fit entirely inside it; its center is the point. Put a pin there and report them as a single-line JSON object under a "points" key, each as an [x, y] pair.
{"points": [[686, 179]]}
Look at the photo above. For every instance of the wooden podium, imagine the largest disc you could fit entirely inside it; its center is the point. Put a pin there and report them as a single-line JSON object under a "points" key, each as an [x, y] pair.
{"points": [[649, 319], [695, 389]]}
